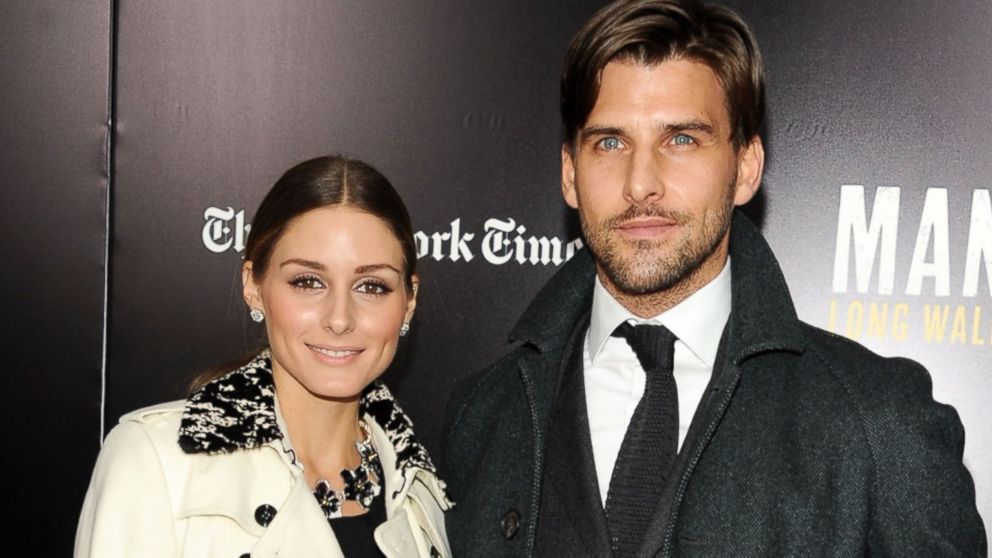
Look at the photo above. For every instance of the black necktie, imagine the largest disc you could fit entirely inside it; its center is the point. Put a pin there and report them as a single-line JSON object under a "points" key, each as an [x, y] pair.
{"points": [[650, 445]]}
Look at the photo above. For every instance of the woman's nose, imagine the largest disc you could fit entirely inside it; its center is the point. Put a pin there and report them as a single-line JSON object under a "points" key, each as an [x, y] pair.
{"points": [[339, 315]]}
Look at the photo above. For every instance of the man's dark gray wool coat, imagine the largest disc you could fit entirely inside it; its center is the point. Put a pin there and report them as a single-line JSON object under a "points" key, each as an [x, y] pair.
{"points": [[806, 444]]}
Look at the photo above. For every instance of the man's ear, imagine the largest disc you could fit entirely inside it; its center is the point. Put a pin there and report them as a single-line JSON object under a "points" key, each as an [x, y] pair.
{"points": [[250, 289], [750, 167], [568, 177]]}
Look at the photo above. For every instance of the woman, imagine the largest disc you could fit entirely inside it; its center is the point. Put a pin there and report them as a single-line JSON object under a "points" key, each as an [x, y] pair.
{"points": [[300, 451]]}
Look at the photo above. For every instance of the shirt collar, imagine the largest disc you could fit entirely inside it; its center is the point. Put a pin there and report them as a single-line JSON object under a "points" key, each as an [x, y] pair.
{"points": [[697, 321]]}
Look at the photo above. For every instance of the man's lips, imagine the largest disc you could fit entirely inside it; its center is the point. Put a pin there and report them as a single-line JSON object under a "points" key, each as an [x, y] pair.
{"points": [[646, 227]]}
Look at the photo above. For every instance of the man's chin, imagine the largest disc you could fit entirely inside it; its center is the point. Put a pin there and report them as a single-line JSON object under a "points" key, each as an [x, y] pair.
{"points": [[640, 283]]}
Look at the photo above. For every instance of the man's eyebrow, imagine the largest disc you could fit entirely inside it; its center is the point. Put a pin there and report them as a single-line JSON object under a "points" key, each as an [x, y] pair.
{"points": [[305, 263], [598, 131], [689, 126], [669, 128]]}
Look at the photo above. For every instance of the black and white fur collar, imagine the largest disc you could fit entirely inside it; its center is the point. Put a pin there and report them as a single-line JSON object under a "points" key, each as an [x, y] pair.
{"points": [[238, 412]]}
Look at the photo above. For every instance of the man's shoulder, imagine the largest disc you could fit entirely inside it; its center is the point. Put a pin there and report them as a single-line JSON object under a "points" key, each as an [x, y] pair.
{"points": [[488, 426], [486, 387], [851, 358], [915, 445], [517, 387], [874, 383]]}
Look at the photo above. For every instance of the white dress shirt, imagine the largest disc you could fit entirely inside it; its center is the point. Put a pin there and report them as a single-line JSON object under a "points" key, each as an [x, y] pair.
{"points": [[614, 379]]}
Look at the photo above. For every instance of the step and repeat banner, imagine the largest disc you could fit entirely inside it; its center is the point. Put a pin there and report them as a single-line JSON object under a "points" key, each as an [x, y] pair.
{"points": [[876, 197]]}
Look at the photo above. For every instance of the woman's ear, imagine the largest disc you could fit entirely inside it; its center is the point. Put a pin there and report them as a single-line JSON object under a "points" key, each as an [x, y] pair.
{"points": [[250, 289], [411, 301]]}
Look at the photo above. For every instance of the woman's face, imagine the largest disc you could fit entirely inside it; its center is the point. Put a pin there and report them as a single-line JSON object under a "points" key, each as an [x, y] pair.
{"points": [[334, 299]]}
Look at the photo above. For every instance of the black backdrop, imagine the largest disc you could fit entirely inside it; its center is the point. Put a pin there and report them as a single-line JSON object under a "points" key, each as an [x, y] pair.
{"points": [[456, 102], [54, 136]]}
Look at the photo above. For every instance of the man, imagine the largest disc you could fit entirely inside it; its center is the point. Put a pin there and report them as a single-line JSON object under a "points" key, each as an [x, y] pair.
{"points": [[662, 397]]}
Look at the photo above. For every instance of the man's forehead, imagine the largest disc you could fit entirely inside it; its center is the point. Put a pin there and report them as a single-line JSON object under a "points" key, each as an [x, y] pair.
{"points": [[659, 95]]}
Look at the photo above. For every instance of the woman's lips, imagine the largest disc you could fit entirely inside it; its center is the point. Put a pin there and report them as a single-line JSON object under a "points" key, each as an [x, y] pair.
{"points": [[335, 355]]}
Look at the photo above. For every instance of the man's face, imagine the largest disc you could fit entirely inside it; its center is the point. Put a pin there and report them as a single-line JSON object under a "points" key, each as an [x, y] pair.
{"points": [[655, 179]]}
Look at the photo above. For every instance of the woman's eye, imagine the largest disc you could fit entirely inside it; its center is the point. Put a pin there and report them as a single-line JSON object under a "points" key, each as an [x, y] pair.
{"points": [[373, 288], [609, 144], [682, 139], [307, 282]]}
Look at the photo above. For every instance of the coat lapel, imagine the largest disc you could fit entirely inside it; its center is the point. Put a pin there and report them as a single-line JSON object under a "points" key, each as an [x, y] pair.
{"points": [[542, 332], [762, 319], [726, 376], [572, 520], [236, 485], [424, 496], [298, 529]]}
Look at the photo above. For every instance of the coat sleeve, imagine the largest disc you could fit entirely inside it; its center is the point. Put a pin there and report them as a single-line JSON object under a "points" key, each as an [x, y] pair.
{"points": [[923, 501], [127, 511]]}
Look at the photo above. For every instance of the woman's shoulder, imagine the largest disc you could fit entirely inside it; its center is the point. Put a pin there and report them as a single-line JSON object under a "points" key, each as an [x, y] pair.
{"points": [[158, 416], [155, 427], [403, 457], [155, 413]]}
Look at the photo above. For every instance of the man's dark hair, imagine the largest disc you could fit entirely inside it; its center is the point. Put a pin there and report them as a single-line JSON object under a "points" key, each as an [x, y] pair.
{"points": [[649, 32]]}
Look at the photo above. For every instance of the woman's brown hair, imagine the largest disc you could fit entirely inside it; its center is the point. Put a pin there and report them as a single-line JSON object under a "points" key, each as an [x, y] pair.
{"points": [[321, 182]]}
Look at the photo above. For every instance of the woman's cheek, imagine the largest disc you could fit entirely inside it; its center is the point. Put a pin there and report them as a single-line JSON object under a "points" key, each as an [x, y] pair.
{"points": [[291, 316]]}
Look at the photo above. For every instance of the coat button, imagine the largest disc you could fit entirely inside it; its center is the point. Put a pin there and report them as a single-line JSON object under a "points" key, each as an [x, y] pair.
{"points": [[245, 555], [510, 524], [264, 514], [434, 552]]}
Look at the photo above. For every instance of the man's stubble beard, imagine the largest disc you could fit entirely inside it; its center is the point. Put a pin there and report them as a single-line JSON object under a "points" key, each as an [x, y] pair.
{"points": [[655, 267]]}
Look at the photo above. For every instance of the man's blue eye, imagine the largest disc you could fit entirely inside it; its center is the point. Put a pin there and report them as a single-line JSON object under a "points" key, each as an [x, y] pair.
{"points": [[682, 139], [611, 143]]}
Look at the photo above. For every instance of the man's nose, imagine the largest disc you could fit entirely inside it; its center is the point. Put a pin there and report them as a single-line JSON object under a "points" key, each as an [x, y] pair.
{"points": [[644, 177]]}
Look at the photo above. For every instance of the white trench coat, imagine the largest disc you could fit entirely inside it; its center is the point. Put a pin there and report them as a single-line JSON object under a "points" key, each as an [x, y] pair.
{"points": [[231, 487]]}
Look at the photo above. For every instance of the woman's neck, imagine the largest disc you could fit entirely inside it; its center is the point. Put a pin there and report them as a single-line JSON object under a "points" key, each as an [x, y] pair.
{"points": [[323, 431]]}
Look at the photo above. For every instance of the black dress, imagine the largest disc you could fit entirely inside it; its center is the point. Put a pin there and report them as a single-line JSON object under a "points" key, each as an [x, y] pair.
{"points": [[355, 533]]}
